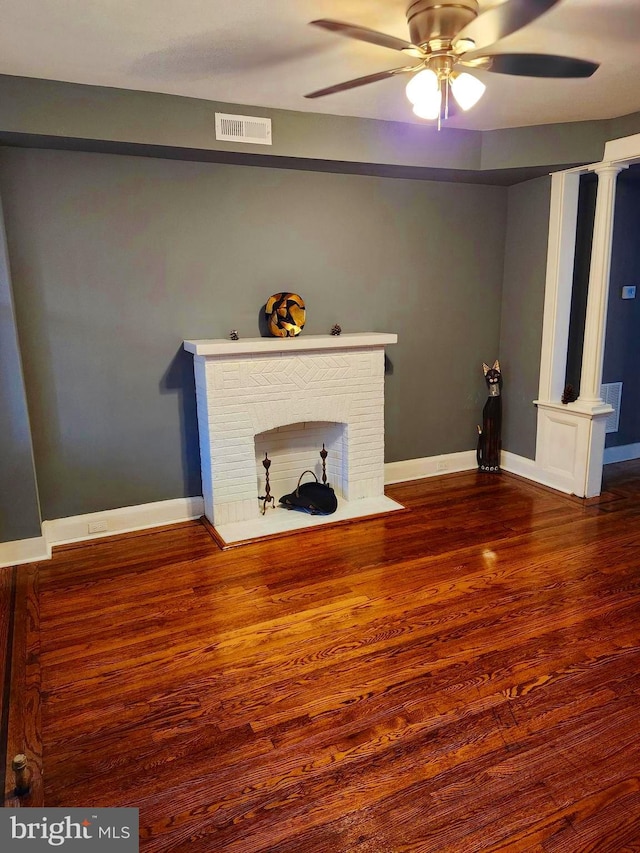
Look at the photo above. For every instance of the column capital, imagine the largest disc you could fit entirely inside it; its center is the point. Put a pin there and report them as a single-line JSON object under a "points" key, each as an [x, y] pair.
{"points": [[610, 168]]}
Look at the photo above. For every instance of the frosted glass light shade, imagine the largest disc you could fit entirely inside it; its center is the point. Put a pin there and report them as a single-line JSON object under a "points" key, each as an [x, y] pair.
{"points": [[467, 90], [422, 85], [429, 107]]}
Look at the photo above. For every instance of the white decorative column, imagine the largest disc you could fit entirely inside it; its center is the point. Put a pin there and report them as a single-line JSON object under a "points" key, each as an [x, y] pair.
{"points": [[570, 442], [596, 326], [563, 220], [598, 295]]}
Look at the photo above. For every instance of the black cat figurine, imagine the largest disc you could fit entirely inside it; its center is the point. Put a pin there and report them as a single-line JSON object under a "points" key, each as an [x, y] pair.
{"points": [[489, 437]]}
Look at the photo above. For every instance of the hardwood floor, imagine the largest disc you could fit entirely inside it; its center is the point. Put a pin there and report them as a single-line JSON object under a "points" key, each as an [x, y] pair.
{"points": [[20, 728], [462, 676]]}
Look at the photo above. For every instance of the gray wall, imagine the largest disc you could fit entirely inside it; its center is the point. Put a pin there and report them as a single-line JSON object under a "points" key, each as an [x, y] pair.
{"points": [[19, 516], [622, 346], [116, 259], [525, 260], [51, 113], [81, 115]]}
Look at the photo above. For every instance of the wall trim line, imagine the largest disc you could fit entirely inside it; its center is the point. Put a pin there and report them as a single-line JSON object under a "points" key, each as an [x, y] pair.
{"points": [[63, 531], [622, 453], [429, 466], [24, 551], [528, 468]]}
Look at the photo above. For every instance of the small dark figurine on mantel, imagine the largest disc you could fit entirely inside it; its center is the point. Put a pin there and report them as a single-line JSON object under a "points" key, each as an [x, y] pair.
{"points": [[489, 436]]}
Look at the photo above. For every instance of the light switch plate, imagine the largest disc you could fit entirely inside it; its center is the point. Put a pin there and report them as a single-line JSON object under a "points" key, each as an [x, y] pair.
{"points": [[629, 291]]}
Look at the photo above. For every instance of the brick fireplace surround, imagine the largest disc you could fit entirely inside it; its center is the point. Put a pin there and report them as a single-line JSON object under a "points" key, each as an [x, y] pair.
{"points": [[286, 397]]}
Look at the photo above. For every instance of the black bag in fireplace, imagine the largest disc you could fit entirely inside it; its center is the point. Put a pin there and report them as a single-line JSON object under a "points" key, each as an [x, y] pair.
{"points": [[315, 498]]}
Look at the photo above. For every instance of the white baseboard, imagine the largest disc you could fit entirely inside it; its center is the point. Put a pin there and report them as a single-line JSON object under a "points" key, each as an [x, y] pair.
{"points": [[624, 453], [528, 469], [62, 531], [429, 466], [520, 465], [24, 551]]}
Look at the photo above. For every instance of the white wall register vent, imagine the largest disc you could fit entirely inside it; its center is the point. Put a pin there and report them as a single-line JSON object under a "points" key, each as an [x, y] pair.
{"points": [[611, 393], [253, 129]]}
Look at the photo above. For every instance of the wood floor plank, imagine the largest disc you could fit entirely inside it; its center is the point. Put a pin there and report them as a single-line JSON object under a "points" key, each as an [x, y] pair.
{"points": [[24, 724], [7, 618], [459, 677]]}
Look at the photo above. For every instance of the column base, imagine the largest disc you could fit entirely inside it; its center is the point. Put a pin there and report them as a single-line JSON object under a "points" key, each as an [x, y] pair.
{"points": [[570, 445]]}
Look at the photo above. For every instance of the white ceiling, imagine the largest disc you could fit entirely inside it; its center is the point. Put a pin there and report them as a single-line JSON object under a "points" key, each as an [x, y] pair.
{"points": [[262, 52]]}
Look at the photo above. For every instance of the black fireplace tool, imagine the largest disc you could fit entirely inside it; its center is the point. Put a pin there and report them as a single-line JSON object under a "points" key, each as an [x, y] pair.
{"points": [[267, 498], [315, 498]]}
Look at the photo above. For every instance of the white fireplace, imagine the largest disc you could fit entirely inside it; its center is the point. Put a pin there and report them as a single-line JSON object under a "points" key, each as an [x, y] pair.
{"points": [[286, 397]]}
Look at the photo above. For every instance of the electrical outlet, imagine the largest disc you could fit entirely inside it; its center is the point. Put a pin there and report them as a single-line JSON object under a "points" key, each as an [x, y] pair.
{"points": [[98, 527], [441, 466]]}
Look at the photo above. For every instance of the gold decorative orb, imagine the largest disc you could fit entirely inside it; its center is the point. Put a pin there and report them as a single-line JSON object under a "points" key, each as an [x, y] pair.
{"points": [[286, 313]]}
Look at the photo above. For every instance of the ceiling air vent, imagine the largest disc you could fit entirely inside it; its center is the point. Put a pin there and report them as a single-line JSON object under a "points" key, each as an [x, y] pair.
{"points": [[252, 129], [611, 393]]}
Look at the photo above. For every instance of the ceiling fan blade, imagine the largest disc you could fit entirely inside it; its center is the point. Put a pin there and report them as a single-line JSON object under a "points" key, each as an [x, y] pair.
{"points": [[500, 21], [365, 34], [361, 81], [534, 65]]}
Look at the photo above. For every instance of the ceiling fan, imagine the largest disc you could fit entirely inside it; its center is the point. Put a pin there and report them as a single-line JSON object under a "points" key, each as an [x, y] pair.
{"points": [[448, 36]]}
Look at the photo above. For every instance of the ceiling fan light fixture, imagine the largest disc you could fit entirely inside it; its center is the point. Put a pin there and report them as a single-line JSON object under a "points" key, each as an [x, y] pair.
{"points": [[429, 106], [422, 86], [467, 89], [447, 34]]}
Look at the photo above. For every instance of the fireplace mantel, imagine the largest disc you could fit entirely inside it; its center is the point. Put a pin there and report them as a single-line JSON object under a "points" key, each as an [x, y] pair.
{"points": [[273, 346], [266, 394]]}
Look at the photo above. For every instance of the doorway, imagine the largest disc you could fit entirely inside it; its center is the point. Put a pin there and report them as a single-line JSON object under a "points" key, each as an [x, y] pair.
{"points": [[571, 435]]}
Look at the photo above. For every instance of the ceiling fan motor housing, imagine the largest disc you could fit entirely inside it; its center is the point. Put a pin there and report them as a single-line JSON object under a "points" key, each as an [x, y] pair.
{"points": [[439, 20]]}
